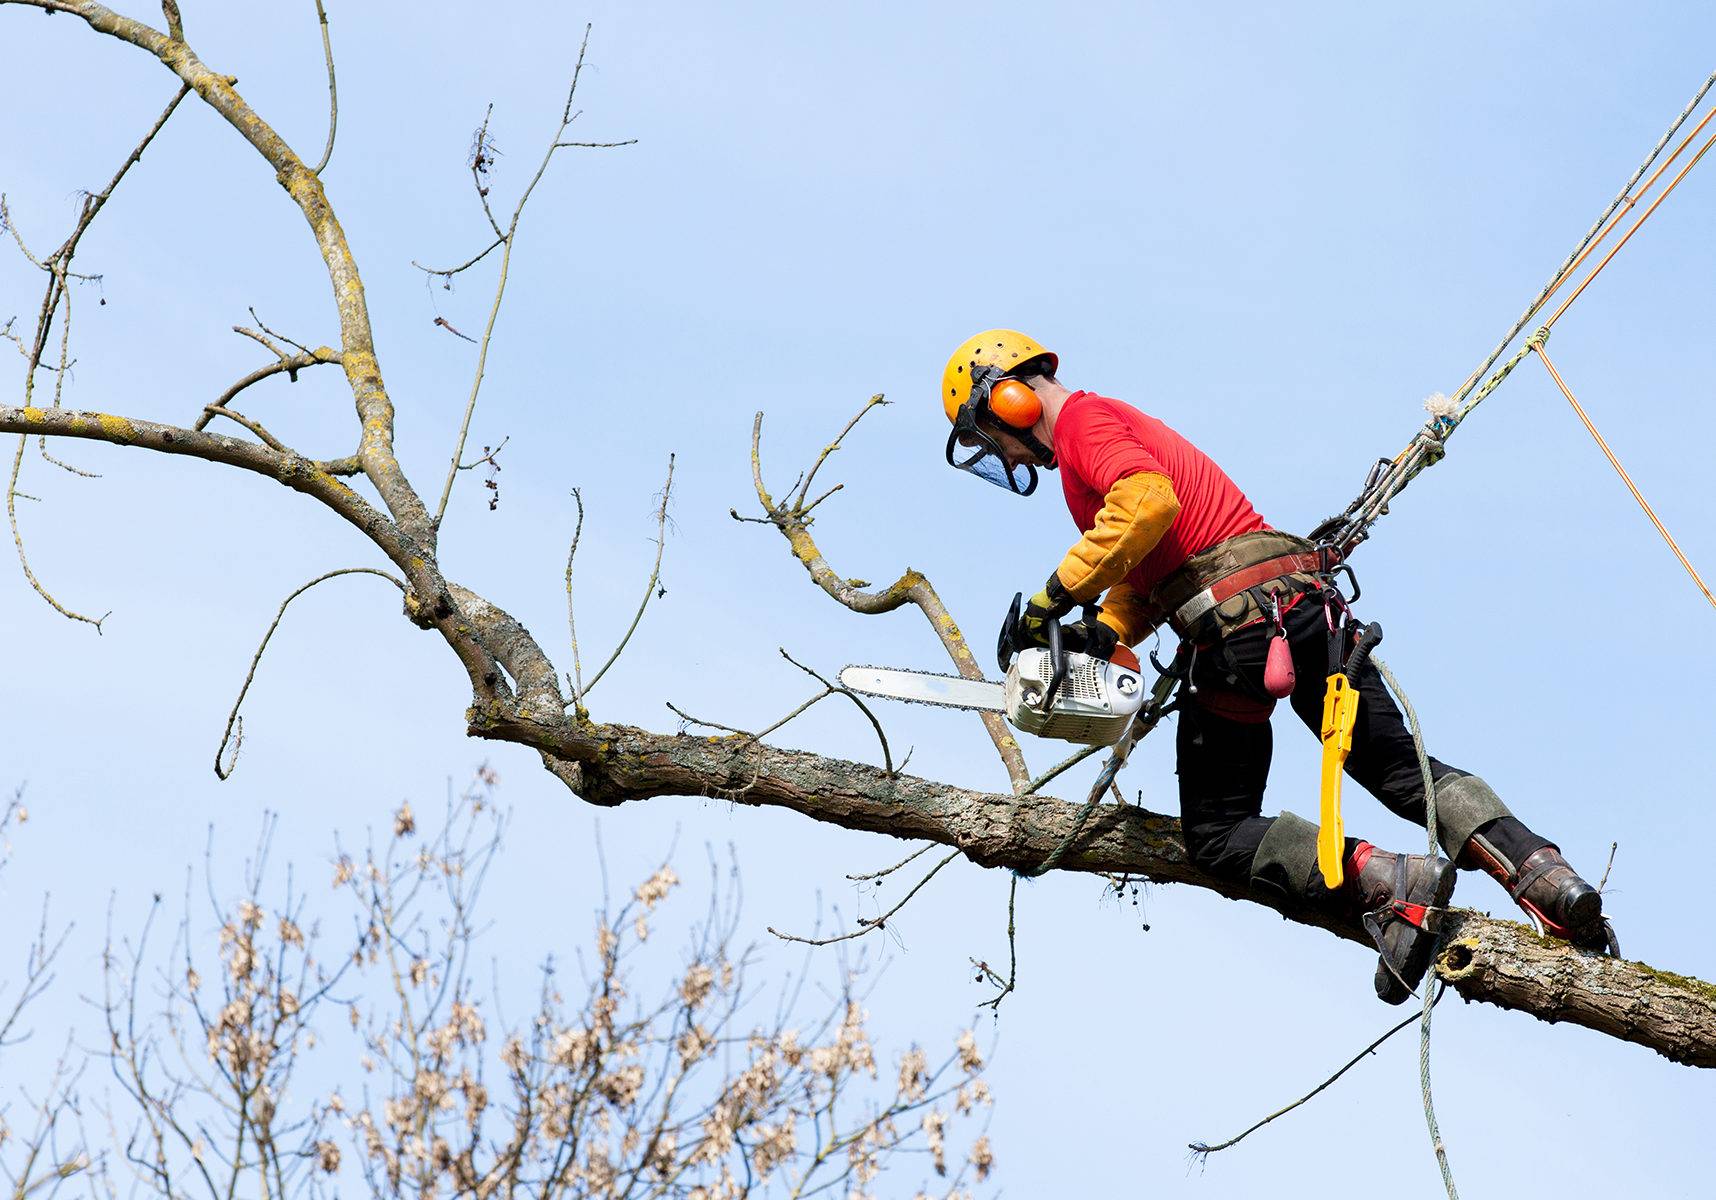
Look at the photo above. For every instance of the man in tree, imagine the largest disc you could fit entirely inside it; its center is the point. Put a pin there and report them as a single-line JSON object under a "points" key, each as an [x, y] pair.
{"points": [[1167, 537]]}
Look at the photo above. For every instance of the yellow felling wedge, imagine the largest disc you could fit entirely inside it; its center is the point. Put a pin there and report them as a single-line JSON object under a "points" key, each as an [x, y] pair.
{"points": [[1340, 711]]}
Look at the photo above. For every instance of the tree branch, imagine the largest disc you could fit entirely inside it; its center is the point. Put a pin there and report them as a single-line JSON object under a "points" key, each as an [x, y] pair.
{"points": [[1494, 961], [357, 338], [333, 89], [792, 519], [233, 720]]}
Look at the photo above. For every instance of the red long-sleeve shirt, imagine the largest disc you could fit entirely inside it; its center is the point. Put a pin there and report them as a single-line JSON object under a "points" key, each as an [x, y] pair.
{"points": [[1099, 440]]}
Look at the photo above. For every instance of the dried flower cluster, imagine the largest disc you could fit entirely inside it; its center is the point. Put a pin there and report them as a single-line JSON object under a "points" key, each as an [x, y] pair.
{"points": [[677, 1090]]}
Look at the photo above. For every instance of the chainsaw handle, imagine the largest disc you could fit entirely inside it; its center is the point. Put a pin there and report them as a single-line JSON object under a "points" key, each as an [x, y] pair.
{"points": [[1004, 646], [1057, 665]]}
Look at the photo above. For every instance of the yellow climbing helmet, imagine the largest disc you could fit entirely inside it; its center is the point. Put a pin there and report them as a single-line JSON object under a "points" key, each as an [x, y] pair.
{"points": [[1006, 349], [980, 392]]}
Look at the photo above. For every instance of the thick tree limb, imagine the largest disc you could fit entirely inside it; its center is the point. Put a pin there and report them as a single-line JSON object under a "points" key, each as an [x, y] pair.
{"points": [[1489, 960]]}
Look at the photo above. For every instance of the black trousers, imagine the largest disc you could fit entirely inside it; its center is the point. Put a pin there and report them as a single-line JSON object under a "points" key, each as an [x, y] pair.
{"points": [[1224, 763]]}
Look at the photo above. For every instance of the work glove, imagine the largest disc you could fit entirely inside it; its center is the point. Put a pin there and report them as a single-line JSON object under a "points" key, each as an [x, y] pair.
{"points": [[1090, 637], [1046, 607]]}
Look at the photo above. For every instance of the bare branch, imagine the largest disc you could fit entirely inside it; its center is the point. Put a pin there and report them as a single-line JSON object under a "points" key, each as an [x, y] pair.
{"points": [[449, 272], [886, 871], [225, 771], [887, 757], [651, 588], [507, 239], [290, 364], [804, 490], [12, 494], [867, 925], [1007, 986], [577, 677], [911, 588], [333, 90]]}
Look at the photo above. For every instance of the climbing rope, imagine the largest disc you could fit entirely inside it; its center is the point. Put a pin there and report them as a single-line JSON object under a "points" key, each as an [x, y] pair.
{"points": [[1432, 986], [1536, 344], [1428, 446], [1572, 261]]}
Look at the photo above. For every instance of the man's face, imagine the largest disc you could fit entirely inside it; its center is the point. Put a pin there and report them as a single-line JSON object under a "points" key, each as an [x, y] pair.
{"points": [[1014, 451]]}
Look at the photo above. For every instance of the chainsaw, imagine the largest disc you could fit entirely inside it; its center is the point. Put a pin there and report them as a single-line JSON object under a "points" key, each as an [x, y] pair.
{"points": [[1051, 691]]}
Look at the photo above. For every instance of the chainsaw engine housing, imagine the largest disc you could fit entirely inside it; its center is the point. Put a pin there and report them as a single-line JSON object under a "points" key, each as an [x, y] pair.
{"points": [[1093, 704]]}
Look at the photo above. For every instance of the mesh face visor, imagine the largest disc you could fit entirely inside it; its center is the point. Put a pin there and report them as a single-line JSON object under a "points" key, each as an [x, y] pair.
{"points": [[971, 449]]}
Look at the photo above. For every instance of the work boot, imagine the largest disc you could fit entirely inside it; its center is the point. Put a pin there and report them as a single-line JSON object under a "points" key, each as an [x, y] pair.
{"points": [[1402, 898], [1545, 885]]}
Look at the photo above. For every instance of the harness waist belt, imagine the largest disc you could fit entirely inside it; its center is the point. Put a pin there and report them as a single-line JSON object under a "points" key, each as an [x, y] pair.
{"points": [[1228, 586]]}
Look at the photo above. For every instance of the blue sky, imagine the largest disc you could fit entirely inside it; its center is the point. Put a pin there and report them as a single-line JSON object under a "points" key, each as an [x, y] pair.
{"points": [[1276, 227]]}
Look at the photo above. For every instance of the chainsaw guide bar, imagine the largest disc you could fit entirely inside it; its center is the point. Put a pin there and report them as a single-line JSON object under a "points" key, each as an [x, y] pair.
{"points": [[923, 687]]}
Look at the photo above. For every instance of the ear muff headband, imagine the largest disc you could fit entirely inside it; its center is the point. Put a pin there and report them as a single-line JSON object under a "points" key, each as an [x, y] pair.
{"points": [[1014, 404]]}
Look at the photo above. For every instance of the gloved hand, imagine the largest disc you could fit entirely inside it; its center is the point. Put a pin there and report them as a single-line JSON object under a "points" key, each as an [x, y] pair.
{"points": [[1048, 605], [1090, 637]]}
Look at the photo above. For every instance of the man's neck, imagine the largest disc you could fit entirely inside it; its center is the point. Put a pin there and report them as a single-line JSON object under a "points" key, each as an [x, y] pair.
{"points": [[1053, 397]]}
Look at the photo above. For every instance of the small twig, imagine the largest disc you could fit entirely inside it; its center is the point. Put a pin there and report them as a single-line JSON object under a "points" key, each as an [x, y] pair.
{"points": [[885, 871], [233, 718], [487, 456], [804, 489], [689, 719], [42, 448], [12, 495], [651, 589], [271, 333], [577, 679], [1204, 1150], [216, 410], [887, 756], [1604, 881], [175, 24], [333, 90], [507, 238], [449, 272], [1060, 768], [993, 1004], [868, 925], [804, 512], [261, 339], [594, 145], [291, 364]]}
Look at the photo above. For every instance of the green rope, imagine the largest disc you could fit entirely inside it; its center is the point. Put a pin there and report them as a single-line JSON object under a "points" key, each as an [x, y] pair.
{"points": [[1431, 991], [1147, 719]]}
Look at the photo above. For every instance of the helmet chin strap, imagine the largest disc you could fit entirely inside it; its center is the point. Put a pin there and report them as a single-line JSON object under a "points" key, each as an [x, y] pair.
{"points": [[1045, 454]]}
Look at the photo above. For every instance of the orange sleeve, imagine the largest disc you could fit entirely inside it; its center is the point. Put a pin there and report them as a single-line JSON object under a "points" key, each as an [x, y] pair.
{"points": [[1127, 613], [1135, 514]]}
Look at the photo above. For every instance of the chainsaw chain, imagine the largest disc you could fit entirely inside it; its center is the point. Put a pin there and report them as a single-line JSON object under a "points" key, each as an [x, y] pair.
{"points": [[914, 700]]}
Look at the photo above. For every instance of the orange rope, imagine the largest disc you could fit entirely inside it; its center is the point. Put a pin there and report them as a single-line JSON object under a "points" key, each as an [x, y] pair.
{"points": [[1673, 183], [1537, 345], [1627, 205]]}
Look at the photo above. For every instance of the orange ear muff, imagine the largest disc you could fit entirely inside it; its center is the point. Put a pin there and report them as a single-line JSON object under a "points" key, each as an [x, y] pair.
{"points": [[1015, 404]]}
